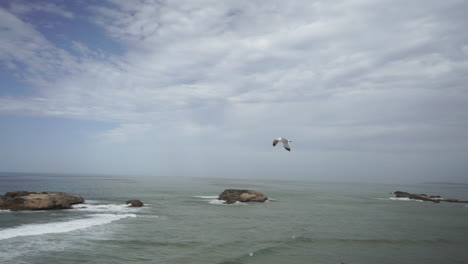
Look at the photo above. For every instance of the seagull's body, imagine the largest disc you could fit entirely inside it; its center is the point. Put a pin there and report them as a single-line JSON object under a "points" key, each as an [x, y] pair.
{"points": [[284, 141]]}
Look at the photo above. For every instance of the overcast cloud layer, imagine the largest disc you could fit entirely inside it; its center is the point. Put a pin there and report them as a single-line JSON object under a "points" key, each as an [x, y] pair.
{"points": [[367, 90]]}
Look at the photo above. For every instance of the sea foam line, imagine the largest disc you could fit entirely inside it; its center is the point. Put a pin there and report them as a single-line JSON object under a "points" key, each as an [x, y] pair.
{"points": [[221, 202], [207, 197], [404, 199], [213, 199], [61, 227], [103, 208]]}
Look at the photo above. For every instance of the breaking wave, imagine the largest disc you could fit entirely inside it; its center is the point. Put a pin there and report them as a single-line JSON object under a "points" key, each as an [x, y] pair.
{"points": [[104, 208], [61, 227]]}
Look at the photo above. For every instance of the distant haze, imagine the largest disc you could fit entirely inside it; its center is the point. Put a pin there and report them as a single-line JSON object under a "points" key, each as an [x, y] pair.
{"points": [[366, 90]]}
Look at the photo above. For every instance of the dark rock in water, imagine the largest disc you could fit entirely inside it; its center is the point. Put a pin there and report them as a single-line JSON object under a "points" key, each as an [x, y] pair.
{"points": [[425, 197], [422, 197], [401, 194], [236, 195], [135, 203], [451, 200], [23, 200]]}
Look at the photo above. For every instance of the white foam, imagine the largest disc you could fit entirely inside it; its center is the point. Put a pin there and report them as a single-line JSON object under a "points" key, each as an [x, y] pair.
{"points": [[61, 227], [403, 199], [103, 208], [216, 201], [213, 199], [400, 199], [5, 211], [207, 197]]}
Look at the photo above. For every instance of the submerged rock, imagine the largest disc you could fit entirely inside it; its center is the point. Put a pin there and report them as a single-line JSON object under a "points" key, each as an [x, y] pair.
{"points": [[236, 195], [134, 203], [23, 200]]}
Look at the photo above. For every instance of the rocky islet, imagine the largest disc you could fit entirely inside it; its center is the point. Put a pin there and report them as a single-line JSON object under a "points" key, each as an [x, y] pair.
{"points": [[24, 200]]}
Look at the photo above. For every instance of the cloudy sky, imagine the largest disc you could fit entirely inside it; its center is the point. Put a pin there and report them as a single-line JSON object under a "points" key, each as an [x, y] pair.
{"points": [[367, 90]]}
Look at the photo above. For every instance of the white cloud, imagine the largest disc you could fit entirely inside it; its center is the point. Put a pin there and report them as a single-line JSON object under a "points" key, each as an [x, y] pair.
{"points": [[354, 69], [38, 60], [124, 133], [19, 7]]}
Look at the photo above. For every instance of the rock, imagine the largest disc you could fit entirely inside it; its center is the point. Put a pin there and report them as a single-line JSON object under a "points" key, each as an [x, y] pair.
{"points": [[400, 194], [16, 194], [236, 195], [451, 200], [23, 200], [135, 203], [423, 197]]}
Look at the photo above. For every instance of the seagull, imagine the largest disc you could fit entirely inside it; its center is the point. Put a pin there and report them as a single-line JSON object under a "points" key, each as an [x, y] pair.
{"points": [[284, 141]]}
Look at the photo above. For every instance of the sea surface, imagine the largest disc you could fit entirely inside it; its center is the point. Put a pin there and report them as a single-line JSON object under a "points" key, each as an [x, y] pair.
{"points": [[183, 222]]}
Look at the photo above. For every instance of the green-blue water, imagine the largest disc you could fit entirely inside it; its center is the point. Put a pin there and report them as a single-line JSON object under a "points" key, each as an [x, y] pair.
{"points": [[306, 222]]}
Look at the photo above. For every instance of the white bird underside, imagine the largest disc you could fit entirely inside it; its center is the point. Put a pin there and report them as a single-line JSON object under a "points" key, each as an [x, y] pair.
{"points": [[284, 141]]}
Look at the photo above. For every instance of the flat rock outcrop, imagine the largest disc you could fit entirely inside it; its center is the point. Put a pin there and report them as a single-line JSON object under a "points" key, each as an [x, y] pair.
{"points": [[422, 196], [451, 200], [23, 200], [425, 197], [237, 195], [134, 203]]}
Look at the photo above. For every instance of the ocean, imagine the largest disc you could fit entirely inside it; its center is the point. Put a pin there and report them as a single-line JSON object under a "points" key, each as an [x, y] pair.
{"points": [[183, 222]]}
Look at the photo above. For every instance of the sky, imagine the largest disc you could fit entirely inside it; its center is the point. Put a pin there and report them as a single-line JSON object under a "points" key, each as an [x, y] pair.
{"points": [[367, 90]]}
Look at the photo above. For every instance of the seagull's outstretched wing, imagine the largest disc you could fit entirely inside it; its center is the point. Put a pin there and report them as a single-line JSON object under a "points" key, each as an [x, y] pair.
{"points": [[275, 141], [286, 144]]}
